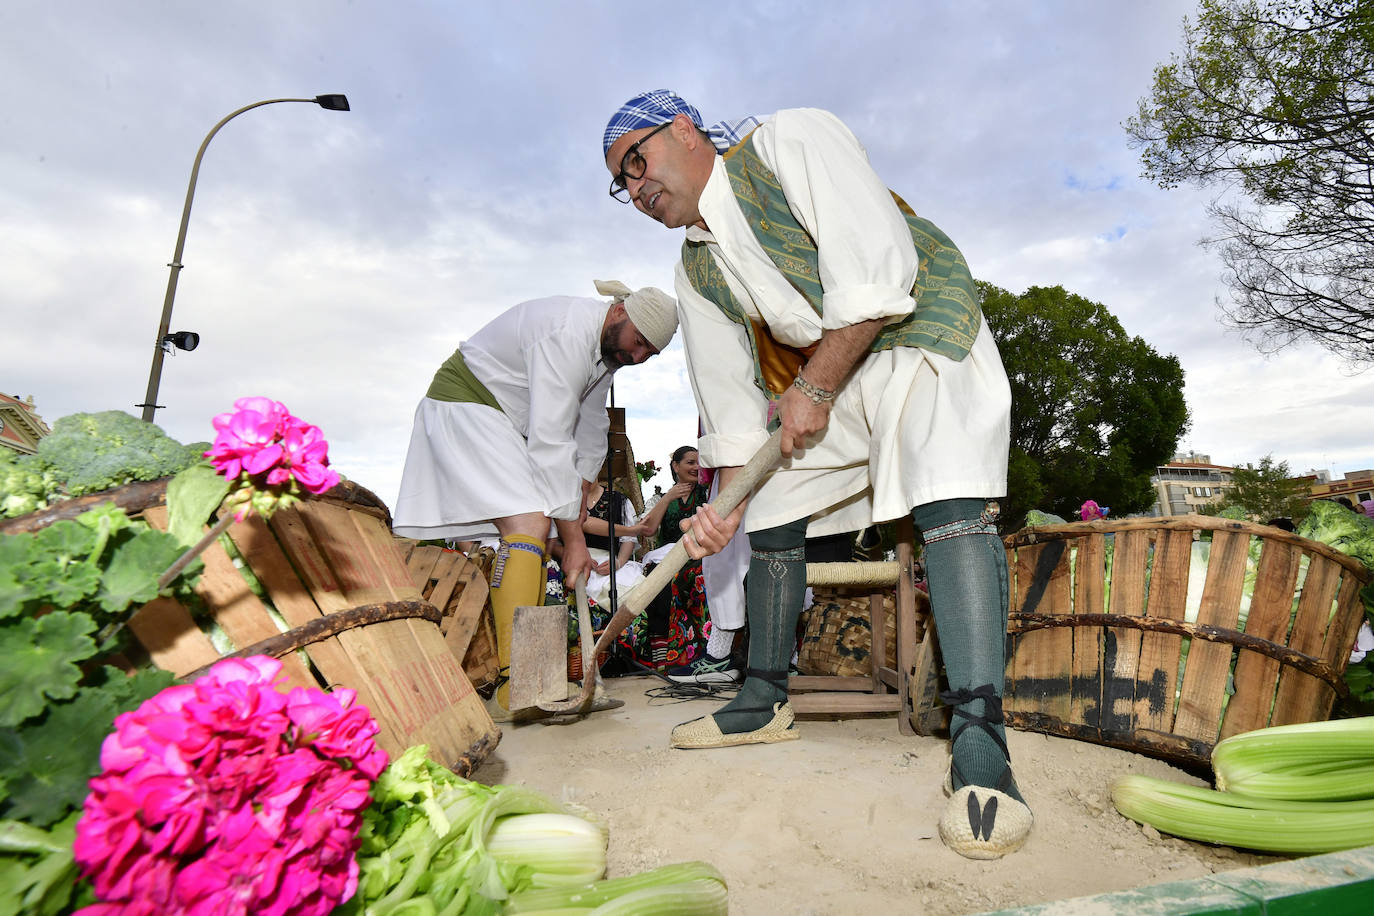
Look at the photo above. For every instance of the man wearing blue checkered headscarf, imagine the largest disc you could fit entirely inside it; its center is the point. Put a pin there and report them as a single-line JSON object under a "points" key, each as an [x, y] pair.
{"points": [[659, 106], [812, 296]]}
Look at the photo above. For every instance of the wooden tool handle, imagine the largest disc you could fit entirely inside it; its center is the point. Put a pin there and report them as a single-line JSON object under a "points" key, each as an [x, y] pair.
{"points": [[743, 483]]}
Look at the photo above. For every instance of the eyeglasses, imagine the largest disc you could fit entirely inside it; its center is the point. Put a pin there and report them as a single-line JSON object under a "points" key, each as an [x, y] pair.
{"points": [[632, 165]]}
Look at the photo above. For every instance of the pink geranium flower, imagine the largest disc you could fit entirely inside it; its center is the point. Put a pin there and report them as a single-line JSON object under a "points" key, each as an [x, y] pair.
{"points": [[230, 796], [270, 453]]}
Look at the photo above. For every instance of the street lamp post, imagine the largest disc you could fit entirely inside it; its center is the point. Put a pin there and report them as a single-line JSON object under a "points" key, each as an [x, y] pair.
{"points": [[333, 102]]}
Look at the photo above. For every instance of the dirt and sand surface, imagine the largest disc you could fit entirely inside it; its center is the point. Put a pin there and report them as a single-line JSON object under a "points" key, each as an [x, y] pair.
{"points": [[843, 820]]}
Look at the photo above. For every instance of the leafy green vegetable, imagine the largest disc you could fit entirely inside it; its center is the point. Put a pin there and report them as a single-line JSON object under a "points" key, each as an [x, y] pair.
{"points": [[1035, 518], [685, 887], [37, 871], [58, 588], [89, 452], [41, 658], [1336, 526], [425, 838], [48, 761]]}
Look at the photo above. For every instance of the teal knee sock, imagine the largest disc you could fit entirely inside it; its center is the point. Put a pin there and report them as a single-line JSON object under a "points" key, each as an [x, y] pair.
{"points": [[966, 569], [774, 592]]}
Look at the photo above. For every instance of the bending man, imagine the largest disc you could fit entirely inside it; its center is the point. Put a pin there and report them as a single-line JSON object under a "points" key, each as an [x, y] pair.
{"points": [[804, 282], [511, 434]]}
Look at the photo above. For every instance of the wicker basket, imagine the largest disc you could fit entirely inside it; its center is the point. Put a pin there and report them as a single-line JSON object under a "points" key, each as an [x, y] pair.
{"points": [[345, 612], [575, 658], [838, 639], [1159, 663]]}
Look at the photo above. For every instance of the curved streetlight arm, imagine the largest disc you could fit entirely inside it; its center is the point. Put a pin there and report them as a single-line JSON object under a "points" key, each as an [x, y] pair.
{"points": [[333, 102]]}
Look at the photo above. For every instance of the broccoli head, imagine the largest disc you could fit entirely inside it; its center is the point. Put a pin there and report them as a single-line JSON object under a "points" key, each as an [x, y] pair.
{"points": [[88, 452]]}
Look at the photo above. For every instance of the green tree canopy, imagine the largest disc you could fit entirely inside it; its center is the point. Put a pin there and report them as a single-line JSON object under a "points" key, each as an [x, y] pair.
{"points": [[1275, 98], [1094, 411], [1263, 493]]}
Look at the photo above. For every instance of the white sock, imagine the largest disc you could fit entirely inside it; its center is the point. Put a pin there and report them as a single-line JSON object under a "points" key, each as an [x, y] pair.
{"points": [[720, 642]]}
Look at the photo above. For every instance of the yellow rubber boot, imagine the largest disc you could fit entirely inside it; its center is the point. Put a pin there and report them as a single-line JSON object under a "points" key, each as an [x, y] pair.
{"points": [[516, 581]]}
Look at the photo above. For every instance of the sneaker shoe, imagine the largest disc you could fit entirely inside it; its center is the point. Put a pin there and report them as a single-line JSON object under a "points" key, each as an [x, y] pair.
{"points": [[705, 670]]}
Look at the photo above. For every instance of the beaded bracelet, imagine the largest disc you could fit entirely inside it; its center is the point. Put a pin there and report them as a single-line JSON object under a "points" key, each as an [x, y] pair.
{"points": [[817, 395]]}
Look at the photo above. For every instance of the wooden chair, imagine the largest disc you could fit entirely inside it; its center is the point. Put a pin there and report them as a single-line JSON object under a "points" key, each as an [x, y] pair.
{"points": [[906, 685]]}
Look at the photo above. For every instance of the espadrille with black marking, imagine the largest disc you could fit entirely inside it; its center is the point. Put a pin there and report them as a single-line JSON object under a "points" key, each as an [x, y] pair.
{"points": [[981, 823]]}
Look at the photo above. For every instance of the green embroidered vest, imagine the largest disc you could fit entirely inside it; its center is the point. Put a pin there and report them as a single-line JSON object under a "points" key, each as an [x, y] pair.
{"points": [[946, 316]]}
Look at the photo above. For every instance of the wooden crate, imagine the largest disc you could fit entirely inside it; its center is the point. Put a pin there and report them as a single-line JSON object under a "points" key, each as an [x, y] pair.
{"points": [[1101, 647], [458, 584], [347, 613]]}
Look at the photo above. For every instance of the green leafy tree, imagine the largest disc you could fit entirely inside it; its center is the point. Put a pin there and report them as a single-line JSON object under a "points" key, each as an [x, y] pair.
{"points": [[1094, 411], [1264, 492], [1274, 98]]}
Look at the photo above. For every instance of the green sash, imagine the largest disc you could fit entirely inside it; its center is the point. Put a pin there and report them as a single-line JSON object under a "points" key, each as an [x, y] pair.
{"points": [[946, 316], [455, 382]]}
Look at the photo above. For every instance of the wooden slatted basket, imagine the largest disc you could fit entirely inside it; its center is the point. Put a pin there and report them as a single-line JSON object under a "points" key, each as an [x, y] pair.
{"points": [[458, 585], [345, 611], [1148, 652]]}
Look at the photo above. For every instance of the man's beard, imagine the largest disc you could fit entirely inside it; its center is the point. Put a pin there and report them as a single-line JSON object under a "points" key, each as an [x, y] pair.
{"points": [[610, 354]]}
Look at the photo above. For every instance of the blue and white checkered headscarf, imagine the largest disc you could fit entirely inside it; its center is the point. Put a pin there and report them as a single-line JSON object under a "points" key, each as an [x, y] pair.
{"points": [[659, 106]]}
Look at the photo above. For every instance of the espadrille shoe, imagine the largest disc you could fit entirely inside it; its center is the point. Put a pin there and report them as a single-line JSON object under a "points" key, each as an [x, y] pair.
{"points": [[704, 732], [981, 823]]}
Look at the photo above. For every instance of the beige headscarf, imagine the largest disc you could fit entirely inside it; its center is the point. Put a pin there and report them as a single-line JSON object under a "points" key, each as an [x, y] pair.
{"points": [[653, 311]]}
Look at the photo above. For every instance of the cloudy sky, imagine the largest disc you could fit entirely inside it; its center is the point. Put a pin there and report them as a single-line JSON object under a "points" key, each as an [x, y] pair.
{"points": [[335, 259]]}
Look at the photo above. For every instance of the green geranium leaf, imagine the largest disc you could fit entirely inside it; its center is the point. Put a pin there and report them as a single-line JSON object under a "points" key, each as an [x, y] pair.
{"points": [[129, 691], [65, 542], [14, 592], [192, 495], [40, 660], [50, 762], [106, 517], [42, 883], [136, 559], [76, 583]]}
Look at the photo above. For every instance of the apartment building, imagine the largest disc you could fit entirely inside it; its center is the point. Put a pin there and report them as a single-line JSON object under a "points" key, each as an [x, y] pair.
{"points": [[1356, 486], [1188, 482]]}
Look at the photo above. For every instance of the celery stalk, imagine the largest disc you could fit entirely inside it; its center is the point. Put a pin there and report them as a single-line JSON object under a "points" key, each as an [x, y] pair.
{"points": [[1316, 761], [1271, 825], [688, 880]]}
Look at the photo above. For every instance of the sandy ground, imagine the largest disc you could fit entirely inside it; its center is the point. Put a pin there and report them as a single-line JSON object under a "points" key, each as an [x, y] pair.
{"points": [[843, 820]]}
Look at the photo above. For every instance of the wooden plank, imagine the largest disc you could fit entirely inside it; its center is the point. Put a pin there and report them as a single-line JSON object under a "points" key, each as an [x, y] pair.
{"points": [[837, 703], [455, 718], [294, 602], [361, 581], [1088, 642], [1209, 664], [449, 570], [463, 616], [916, 690], [1301, 697], [173, 640], [1040, 661], [1159, 652], [232, 604], [420, 562], [296, 540], [1121, 645], [1271, 604], [1345, 624]]}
